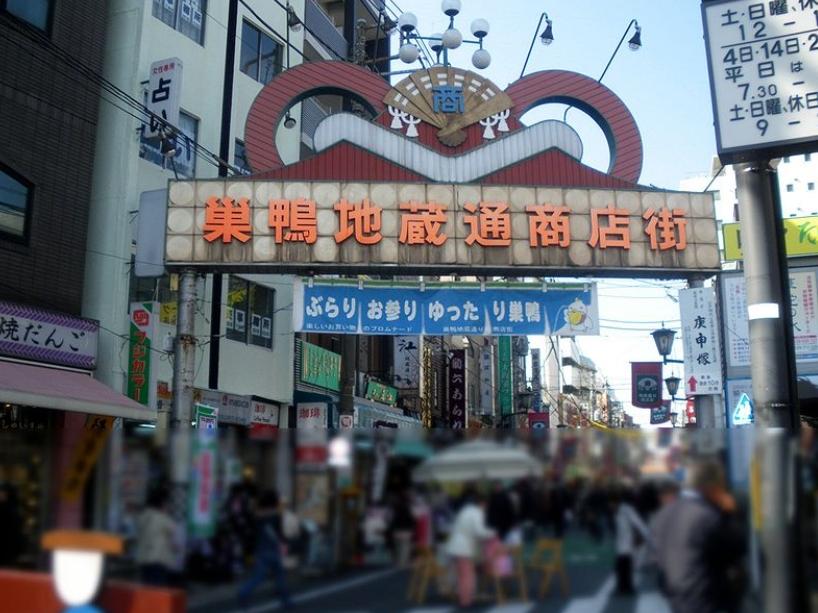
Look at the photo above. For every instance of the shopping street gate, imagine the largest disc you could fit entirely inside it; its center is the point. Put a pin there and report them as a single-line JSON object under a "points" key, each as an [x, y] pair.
{"points": [[443, 179]]}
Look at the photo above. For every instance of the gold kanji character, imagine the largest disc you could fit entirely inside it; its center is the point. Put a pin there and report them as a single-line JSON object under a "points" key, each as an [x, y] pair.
{"points": [[616, 234], [548, 226], [667, 229], [225, 221], [490, 224], [422, 223], [360, 219], [297, 216]]}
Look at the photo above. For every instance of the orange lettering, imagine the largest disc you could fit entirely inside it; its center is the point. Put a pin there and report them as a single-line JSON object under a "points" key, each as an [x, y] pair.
{"points": [[422, 224], [490, 225], [548, 226], [616, 234], [298, 217], [225, 221], [360, 219], [667, 229]]}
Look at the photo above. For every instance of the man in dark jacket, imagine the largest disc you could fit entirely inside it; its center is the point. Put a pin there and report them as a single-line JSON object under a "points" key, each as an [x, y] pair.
{"points": [[699, 545]]}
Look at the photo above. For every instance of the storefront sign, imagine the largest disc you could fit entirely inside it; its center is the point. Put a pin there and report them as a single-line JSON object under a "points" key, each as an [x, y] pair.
{"points": [[381, 393], [763, 61], [440, 309], [452, 228], [660, 415], [139, 352], [86, 452], [702, 345], [233, 409], [320, 367], [164, 90], [427, 395], [457, 389], [800, 238], [35, 334], [505, 388], [487, 389], [407, 362], [311, 435], [804, 297], [646, 382], [203, 514], [263, 421], [536, 381]]}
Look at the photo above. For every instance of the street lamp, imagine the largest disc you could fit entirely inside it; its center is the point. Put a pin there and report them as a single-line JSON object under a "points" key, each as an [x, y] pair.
{"points": [[635, 43], [672, 384], [444, 42], [546, 38], [664, 337]]}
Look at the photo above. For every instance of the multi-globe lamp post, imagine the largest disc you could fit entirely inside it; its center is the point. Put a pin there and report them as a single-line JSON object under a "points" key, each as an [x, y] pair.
{"points": [[447, 41]]}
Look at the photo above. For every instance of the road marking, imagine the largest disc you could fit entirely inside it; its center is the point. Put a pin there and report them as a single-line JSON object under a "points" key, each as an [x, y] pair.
{"points": [[595, 603], [521, 607], [322, 591]]}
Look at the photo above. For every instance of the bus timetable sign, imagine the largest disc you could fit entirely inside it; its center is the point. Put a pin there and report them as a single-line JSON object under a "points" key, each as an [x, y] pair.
{"points": [[763, 61]]}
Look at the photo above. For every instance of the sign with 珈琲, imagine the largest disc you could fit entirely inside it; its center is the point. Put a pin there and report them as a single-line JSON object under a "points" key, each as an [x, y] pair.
{"points": [[702, 344], [440, 309], [335, 227], [763, 61]]}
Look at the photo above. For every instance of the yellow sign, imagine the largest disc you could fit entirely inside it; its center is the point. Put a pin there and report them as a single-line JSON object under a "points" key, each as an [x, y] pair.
{"points": [[85, 456], [800, 233]]}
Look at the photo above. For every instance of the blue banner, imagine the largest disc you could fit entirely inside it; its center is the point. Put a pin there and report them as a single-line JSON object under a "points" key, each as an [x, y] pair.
{"points": [[442, 309]]}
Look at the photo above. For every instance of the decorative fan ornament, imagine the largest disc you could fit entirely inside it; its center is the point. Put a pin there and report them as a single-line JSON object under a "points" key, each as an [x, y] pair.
{"points": [[450, 99]]}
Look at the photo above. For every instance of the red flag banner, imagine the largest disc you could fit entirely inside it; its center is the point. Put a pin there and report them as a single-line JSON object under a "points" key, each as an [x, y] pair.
{"points": [[646, 384]]}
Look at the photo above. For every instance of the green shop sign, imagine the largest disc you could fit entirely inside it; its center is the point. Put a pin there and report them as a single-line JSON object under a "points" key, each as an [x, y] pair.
{"points": [[381, 393], [505, 392], [320, 367]]}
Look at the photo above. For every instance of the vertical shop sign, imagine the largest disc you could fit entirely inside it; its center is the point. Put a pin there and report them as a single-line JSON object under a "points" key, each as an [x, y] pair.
{"points": [[505, 389], [536, 381], [140, 388], [702, 346], [311, 435], [487, 380], [457, 389], [804, 322], [263, 421], [407, 361], [202, 515], [427, 392], [164, 89], [646, 384]]}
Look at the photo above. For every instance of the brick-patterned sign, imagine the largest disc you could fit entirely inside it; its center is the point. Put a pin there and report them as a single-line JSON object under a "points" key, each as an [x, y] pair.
{"points": [[35, 334], [336, 227]]}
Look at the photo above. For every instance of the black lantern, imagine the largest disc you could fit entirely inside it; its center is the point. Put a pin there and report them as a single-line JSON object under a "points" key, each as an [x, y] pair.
{"points": [[635, 43], [672, 384], [664, 337]]}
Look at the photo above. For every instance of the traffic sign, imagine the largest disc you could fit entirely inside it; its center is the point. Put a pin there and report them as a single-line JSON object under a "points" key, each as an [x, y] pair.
{"points": [[743, 413]]}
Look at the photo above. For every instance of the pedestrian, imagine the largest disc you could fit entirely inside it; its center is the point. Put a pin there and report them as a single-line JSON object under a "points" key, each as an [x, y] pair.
{"points": [[156, 541], [501, 514], [700, 545], [402, 529], [270, 551], [630, 532], [468, 533]]}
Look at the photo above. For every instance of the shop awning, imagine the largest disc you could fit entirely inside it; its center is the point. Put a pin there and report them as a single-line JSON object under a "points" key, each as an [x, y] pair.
{"points": [[52, 388]]}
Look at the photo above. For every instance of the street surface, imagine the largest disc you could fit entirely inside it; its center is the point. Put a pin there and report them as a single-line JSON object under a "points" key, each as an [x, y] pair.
{"points": [[590, 570]]}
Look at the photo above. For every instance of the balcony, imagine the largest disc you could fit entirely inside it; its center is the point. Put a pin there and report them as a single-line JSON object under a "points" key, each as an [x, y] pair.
{"points": [[322, 24]]}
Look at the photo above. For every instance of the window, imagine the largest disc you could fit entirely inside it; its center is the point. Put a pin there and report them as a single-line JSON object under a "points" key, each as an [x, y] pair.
{"points": [[35, 12], [260, 54], [15, 203], [786, 160], [240, 158], [185, 158], [249, 313], [790, 187], [185, 16], [811, 186]]}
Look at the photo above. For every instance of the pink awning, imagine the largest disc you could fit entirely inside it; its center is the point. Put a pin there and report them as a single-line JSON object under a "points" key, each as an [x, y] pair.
{"points": [[53, 388]]}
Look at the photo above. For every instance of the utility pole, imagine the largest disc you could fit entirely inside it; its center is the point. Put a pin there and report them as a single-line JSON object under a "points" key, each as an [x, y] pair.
{"points": [[184, 368], [774, 386]]}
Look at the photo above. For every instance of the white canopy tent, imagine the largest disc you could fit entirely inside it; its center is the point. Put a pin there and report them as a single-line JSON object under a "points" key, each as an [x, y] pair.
{"points": [[475, 460]]}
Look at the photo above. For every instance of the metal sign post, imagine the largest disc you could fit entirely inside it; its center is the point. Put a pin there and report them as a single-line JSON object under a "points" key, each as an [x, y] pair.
{"points": [[762, 58]]}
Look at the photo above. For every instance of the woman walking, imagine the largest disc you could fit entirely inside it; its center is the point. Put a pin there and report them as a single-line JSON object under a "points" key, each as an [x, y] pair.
{"points": [[468, 533]]}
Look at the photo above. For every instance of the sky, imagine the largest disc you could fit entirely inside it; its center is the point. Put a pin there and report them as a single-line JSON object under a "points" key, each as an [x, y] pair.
{"points": [[664, 84]]}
